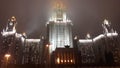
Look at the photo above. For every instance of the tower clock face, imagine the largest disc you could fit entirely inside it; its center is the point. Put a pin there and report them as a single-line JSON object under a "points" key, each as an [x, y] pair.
{"points": [[10, 23]]}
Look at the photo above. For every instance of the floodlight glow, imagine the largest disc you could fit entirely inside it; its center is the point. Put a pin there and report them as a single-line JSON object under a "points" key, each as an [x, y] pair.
{"points": [[88, 35], [11, 23], [75, 37], [47, 45], [18, 35], [22, 39], [7, 56], [32, 40], [106, 22], [112, 34], [62, 61], [98, 37], [71, 60], [85, 40], [58, 60], [6, 33]]}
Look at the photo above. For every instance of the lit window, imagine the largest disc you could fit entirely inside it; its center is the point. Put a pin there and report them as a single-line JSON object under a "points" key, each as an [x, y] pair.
{"points": [[58, 60], [65, 61], [68, 60], [62, 61], [71, 60]]}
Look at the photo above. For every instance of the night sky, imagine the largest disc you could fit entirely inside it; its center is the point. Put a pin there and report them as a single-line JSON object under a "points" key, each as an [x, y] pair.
{"points": [[86, 15]]}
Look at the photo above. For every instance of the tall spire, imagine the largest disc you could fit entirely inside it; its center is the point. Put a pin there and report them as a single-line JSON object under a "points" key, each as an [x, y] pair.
{"points": [[59, 10], [11, 27], [13, 18], [107, 27], [59, 13], [59, 5]]}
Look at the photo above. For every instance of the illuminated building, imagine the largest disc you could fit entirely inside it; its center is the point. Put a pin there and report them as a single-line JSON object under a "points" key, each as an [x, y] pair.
{"points": [[59, 47], [64, 56], [32, 51], [86, 48], [22, 49], [59, 29], [98, 47], [11, 42]]}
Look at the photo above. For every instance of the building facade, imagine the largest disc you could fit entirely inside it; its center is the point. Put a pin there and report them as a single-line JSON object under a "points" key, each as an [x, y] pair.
{"points": [[59, 29], [59, 48]]}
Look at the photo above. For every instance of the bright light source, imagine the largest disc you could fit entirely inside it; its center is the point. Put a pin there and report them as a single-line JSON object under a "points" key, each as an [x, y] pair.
{"points": [[65, 61], [13, 17], [47, 45], [24, 33], [75, 37], [58, 60], [88, 35], [62, 61], [7, 56], [11, 23], [71, 60], [106, 22], [85, 41], [33, 40], [68, 60]]}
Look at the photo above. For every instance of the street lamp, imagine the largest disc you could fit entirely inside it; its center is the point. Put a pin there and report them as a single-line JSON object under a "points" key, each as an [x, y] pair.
{"points": [[47, 55], [47, 45], [7, 56]]}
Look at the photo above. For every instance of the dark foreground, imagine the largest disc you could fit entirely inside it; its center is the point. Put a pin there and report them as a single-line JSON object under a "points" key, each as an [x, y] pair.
{"points": [[58, 66]]}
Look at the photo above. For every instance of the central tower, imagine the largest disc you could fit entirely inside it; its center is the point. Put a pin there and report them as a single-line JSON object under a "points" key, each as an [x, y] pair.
{"points": [[59, 29]]}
